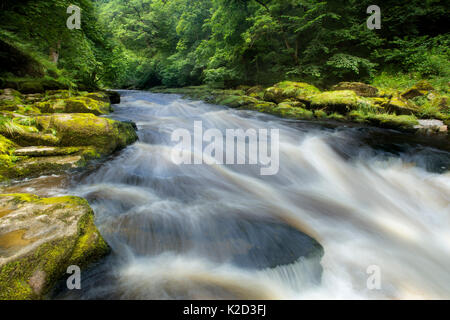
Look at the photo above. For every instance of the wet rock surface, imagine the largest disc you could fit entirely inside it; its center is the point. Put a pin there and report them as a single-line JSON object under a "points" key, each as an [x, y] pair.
{"points": [[40, 238]]}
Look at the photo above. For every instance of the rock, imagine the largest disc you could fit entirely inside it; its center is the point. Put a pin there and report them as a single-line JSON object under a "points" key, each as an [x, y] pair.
{"points": [[42, 151], [40, 238], [290, 90], [361, 89], [75, 105], [114, 96], [400, 106], [421, 88], [255, 92], [98, 96], [341, 101], [392, 121], [430, 126], [84, 129], [237, 101], [292, 110]]}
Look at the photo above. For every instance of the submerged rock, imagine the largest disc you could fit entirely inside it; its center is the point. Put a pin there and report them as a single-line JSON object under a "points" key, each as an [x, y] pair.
{"points": [[40, 238]]}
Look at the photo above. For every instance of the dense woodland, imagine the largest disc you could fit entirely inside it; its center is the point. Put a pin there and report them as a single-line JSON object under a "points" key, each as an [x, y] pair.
{"points": [[225, 43]]}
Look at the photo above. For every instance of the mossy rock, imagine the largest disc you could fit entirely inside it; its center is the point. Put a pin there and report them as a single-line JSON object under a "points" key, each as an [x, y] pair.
{"points": [[75, 105], [292, 111], [400, 106], [361, 89], [40, 238], [290, 90], [98, 96], [342, 101], [392, 121], [421, 88], [237, 101], [84, 129], [262, 106], [64, 159]]}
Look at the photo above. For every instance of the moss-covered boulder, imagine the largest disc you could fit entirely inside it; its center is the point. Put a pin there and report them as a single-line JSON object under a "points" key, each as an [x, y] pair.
{"points": [[400, 106], [421, 88], [361, 89], [76, 105], [85, 129], [40, 238], [342, 101], [290, 90]]}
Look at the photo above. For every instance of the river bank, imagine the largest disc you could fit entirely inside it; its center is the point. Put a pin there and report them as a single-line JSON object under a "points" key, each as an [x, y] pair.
{"points": [[419, 109], [43, 134]]}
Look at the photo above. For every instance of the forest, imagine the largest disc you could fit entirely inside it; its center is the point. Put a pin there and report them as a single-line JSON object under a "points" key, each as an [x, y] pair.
{"points": [[226, 43]]}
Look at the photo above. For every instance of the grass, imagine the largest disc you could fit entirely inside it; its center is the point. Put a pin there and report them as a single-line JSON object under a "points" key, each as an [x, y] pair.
{"points": [[403, 81]]}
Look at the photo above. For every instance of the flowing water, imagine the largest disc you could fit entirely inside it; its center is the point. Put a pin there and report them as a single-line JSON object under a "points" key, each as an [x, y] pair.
{"points": [[346, 200]]}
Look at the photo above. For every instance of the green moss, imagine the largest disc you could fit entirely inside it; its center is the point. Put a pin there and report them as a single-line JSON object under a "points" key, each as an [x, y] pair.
{"points": [[98, 96], [400, 106], [290, 90], [75, 105], [320, 114], [341, 101], [391, 121], [86, 129]]}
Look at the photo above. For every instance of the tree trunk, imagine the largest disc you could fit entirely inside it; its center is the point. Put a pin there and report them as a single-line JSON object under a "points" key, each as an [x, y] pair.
{"points": [[54, 52]]}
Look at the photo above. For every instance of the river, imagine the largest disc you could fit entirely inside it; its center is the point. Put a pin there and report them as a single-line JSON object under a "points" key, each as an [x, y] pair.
{"points": [[349, 203]]}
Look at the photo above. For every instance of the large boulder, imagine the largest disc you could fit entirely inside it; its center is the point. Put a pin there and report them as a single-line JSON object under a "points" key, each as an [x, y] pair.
{"points": [[361, 89], [40, 238], [85, 129], [341, 101], [289, 90], [94, 104]]}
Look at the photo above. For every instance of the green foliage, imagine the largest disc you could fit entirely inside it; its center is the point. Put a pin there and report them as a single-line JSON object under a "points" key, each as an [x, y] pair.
{"points": [[225, 43]]}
